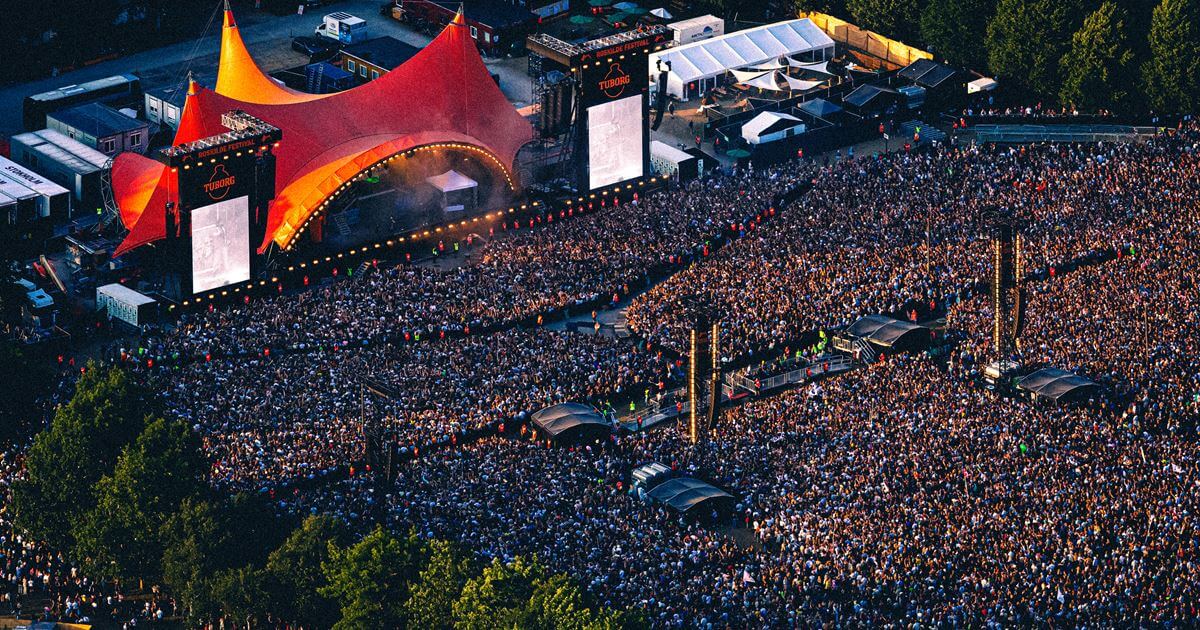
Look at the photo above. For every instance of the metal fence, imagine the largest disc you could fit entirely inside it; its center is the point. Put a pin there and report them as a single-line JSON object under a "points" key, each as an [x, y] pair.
{"points": [[1024, 134]]}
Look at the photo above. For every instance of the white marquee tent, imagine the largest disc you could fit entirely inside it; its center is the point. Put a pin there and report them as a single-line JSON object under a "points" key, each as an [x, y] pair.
{"points": [[458, 192], [697, 67], [771, 126]]}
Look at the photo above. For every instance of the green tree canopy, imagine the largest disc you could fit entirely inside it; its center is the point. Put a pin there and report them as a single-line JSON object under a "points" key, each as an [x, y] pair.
{"points": [[521, 594], [241, 594], [371, 579], [1172, 74], [1025, 41], [438, 587], [87, 435], [898, 19], [295, 574], [955, 30], [832, 7], [1096, 71], [119, 538], [194, 540]]}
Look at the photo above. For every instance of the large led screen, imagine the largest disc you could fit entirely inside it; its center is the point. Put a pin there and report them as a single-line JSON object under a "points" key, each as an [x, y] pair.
{"points": [[615, 141], [220, 244]]}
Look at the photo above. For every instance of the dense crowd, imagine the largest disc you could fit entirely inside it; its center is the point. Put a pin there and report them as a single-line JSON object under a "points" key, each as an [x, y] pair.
{"points": [[890, 233], [521, 271], [272, 421], [899, 493]]}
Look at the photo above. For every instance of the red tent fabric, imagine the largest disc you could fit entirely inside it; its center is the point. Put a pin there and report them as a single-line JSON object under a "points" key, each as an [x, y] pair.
{"points": [[442, 96]]}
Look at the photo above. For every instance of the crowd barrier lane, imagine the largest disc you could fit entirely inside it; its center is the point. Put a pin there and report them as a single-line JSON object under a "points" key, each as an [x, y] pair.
{"points": [[651, 276]]}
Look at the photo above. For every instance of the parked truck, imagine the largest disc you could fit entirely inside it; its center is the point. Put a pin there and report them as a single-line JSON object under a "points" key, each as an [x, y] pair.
{"points": [[343, 27]]}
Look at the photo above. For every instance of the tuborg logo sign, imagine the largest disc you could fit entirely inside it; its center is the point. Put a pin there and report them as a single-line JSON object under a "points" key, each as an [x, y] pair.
{"points": [[613, 84], [220, 183]]}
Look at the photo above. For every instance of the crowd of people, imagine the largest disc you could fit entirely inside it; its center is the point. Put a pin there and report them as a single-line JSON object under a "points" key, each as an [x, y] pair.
{"points": [[908, 232], [514, 273], [268, 422], [900, 492]]}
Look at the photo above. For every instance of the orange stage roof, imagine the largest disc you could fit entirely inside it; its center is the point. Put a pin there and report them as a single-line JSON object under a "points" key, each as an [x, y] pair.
{"points": [[443, 96]]}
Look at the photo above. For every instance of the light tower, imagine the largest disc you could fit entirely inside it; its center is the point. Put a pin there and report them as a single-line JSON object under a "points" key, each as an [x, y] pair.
{"points": [[704, 367], [1007, 295]]}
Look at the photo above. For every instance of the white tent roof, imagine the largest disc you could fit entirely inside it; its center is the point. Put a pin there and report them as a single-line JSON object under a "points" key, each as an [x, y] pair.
{"points": [[763, 121], [668, 152], [819, 66], [763, 82], [799, 84], [750, 47], [125, 294], [981, 85], [743, 76], [450, 181], [770, 65], [662, 13]]}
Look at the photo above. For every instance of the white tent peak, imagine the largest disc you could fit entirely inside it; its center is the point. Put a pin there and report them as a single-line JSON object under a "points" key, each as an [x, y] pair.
{"points": [[450, 181]]}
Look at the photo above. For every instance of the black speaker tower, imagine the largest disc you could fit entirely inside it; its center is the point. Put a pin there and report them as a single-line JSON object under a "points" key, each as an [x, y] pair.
{"points": [[704, 368]]}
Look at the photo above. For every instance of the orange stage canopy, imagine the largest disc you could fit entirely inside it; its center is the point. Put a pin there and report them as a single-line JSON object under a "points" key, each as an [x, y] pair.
{"points": [[443, 96]]}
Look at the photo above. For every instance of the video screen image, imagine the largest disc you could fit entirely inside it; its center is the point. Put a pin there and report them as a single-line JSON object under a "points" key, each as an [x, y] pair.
{"points": [[220, 244], [615, 141]]}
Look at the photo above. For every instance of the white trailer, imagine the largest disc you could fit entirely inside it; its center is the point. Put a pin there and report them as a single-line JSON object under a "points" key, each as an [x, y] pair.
{"points": [[343, 27], [51, 199], [120, 302], [696, 29]]}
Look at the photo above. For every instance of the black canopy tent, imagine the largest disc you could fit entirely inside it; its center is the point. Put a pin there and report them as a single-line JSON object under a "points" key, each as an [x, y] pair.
{"points": [[819, 108], [571, 422], [692, 497], [927, 73], [1058, 385], [867, 99], [891, 333], [944, 85]]}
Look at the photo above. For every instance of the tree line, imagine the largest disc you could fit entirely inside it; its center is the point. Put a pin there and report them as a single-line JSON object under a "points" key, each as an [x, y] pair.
{"points": [[1124, 56], [124, 491]]}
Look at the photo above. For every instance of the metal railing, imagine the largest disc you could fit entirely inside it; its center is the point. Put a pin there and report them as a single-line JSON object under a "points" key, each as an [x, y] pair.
{"points": [[1023, 134]]}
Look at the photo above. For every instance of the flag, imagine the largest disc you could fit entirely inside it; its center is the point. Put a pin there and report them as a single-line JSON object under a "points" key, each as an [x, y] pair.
{"points": [[746, 577]]}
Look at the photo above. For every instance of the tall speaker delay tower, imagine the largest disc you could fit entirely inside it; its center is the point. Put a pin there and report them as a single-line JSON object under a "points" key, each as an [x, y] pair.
{"points": [[704, 368], [1007, 295]]}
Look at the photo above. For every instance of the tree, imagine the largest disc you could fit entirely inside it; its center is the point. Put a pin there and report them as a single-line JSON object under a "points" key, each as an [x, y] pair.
{"points": [[119, 538], [1025, 41], [371, 579], [241, 593], [87, 435], [831, 7], [438, 587], [194, 539], [253, 527], [522, 595], [1172, 74], [897, 19], [295, 574], [1096, 70], [557, 602], [956, 29], [498, 596]]}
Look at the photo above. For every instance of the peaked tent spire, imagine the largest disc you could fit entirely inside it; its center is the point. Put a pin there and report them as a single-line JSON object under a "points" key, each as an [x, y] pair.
{"points": [[238, 77]]}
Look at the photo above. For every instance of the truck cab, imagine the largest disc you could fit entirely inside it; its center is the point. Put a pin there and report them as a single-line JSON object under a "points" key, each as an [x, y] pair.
{"points": [[342, 27]]}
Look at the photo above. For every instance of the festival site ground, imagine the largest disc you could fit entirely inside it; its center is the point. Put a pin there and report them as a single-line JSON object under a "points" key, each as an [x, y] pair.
{"points": [[900, 493]]}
